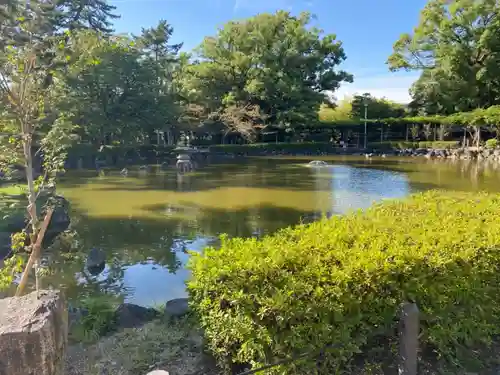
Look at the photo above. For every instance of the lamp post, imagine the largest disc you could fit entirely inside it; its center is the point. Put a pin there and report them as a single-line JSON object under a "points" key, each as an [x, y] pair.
{"points": [[366, 117]]}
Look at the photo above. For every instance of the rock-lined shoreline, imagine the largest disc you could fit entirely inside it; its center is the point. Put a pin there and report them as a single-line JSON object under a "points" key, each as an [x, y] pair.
{"points": [[466, 153]]}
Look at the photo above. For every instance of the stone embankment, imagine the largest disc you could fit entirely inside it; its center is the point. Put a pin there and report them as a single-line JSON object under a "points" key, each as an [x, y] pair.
{"points": [[468, 153]]}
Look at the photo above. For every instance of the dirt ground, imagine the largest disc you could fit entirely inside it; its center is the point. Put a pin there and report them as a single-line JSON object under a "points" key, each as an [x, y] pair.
{"points": [[176, 347]]}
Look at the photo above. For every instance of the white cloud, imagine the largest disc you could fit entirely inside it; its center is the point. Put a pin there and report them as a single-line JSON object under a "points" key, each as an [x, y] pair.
{"points": [[392, 86]]}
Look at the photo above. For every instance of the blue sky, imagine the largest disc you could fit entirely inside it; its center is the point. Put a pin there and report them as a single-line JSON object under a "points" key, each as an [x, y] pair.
{"points": [[367, 28]]}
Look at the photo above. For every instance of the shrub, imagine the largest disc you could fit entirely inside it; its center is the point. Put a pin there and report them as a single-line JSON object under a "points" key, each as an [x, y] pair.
{"points": [[341, 280], [401, 145], [492, 143], [259, 148], [438, 144], [137, 153], [389, 145]]}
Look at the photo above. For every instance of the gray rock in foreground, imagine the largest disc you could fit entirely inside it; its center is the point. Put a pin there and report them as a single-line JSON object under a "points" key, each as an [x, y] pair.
{"points": [[128, 315], [33, 334], [177, 307], [158, 372]]}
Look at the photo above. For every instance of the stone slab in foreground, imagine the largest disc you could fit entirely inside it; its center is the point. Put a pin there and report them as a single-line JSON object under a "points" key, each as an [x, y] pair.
{"points": [[33, 334]]}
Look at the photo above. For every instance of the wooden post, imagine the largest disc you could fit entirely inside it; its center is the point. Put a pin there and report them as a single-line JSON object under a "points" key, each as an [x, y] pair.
{"points": [[408, 339], [34, 252]]}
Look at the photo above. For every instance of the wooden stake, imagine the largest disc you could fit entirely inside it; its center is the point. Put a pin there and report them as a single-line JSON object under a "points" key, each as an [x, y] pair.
{"points": [[35, 253], [408, 339]]}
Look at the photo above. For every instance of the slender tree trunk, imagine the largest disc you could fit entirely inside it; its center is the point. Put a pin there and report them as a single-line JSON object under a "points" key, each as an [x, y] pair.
{"points": [[32, 211]]}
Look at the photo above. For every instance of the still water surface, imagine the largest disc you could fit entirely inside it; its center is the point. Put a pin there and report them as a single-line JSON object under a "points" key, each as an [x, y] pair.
{"points": [[145, 222]]}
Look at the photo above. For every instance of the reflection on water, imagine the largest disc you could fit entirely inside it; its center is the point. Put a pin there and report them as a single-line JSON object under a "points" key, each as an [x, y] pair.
{"points": [[146, 222], [350, 190], [148, 282]]}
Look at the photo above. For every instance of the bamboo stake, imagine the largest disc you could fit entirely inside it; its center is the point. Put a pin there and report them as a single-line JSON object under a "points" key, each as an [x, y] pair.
{"points": [[35, 253]]}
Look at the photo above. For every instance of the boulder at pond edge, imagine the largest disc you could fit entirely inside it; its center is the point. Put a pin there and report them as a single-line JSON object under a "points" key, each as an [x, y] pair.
{"points": [[177, 307], [128, 315]]}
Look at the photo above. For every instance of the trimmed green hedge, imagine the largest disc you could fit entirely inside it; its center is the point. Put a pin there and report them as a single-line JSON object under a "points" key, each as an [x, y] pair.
{"points": [[439, 144], [341, 281], [400, 145], [261, 148], [492, 143], [120, 151], [256, 148], [109, 154]]}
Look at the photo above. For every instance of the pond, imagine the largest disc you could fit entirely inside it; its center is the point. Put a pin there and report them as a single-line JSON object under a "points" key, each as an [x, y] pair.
{"points": [[147, 221]]}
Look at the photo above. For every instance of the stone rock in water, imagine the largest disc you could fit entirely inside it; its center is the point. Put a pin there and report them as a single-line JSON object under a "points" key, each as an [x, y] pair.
{"points": [[128, 315], [96, 261], [33, 334], [177, 307]]}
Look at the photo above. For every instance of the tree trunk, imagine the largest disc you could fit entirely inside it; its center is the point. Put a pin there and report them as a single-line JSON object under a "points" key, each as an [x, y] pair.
{"points": [[32, 212]]}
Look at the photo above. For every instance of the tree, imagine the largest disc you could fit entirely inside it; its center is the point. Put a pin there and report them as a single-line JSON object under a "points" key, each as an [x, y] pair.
{"points": [[83, 14], [434, 93], [457, 45], [162, 57], [155, 42], [112, 93], [272, 63], [31, 56], [376, 108], [341, 113], [415, 131]]}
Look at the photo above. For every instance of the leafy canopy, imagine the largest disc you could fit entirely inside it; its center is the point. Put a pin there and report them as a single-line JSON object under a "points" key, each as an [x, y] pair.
{"points": [[457, 45], [272, 63]]}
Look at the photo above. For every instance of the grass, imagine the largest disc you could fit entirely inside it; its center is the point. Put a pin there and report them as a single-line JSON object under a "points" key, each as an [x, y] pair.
{"points": [[12, 189]]}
